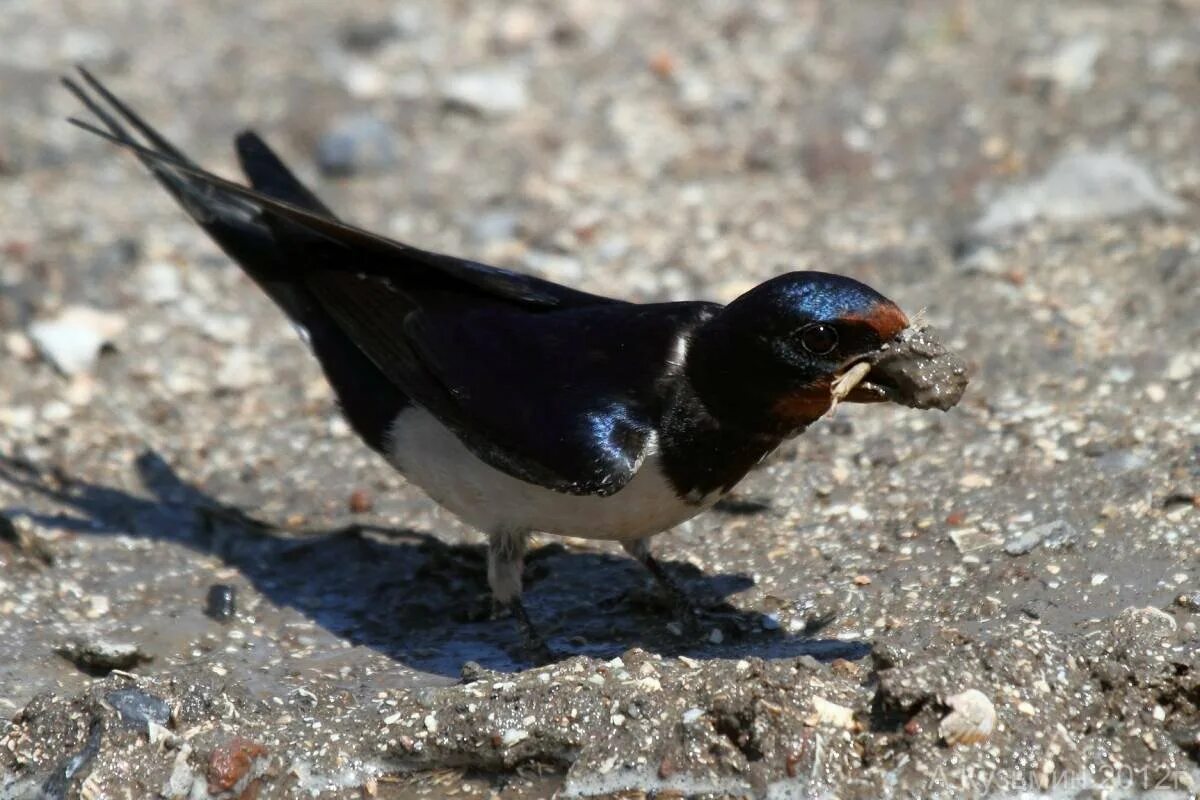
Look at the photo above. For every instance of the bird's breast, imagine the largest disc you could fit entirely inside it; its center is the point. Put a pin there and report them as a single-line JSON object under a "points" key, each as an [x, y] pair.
{"points": [[432, 457]]}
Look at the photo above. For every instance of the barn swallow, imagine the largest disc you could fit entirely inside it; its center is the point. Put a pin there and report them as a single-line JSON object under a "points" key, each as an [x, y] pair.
{"points": [[521, 405]]}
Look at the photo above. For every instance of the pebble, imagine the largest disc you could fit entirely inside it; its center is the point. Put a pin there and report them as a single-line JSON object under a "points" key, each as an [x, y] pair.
{"points": [[968, 540], [221, 602], [72, 339], [1181, 367], [489, 93], [160, 282], [1189, 601], [19, 346], [360, 502], [138, 708], [1083, 186], [368, 33], [513, 736], [364, 80], [826, 712], [241, 368], [102, 655], [230, 761], [354, 145], [1072, 66], [1052, 535]]}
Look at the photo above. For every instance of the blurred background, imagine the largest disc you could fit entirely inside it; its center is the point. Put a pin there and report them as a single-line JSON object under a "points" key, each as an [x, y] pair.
{"points": [[1025, 172]]}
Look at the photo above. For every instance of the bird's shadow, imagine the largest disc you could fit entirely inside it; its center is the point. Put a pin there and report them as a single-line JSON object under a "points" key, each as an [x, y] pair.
{"points": [[409, 595]]}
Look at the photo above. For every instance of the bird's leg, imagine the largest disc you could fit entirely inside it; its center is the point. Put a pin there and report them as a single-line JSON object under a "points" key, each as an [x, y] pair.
{"points": [[681, 603], [506, 561]]}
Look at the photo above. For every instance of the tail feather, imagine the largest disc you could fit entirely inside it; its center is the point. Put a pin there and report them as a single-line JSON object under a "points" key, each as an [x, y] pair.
{"points": [[235, 220], [270, 175]]}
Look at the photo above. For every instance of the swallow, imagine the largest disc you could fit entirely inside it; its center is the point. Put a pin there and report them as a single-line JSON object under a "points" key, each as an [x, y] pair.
{"points": [[521, 405]]}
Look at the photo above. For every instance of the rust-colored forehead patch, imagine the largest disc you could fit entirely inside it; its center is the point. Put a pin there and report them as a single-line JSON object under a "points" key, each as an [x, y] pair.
{"points": [[885, 317]]}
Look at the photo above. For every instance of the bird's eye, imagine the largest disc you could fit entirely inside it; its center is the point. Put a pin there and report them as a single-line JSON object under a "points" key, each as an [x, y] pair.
{"points": [[819, 339]]}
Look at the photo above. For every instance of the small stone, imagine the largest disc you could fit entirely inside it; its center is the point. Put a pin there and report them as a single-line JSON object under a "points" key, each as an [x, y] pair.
{"points": [[98, 606], [366, 34], [137, 708], [518, 26], [1072, 66], [179, 783], [974, 480], [716, 636], [19, 346], [160, 282], [360, 502], [1181, 367], [231, 761], [1189, 601], [220, 603], [102, 655], [72, 339], [431, 723], [969, 540], [1022, 543], [829, 713], [1083, 186], [241, 368], [1052, 535], [513, 736], [489, 93], [663, 64], [691, 715], [354, 145], [364, 80], [862, 580]]}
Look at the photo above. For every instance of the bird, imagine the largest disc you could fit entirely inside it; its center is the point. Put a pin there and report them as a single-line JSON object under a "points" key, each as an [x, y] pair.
{"points": [[518, 404]]}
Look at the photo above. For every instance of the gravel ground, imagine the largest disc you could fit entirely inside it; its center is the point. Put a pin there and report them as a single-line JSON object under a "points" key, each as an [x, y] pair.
{"points": [[1024, 172]]}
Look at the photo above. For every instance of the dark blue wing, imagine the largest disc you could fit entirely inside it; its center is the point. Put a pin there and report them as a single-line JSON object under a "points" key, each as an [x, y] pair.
{"points": [[573, 394], [564, 398]]}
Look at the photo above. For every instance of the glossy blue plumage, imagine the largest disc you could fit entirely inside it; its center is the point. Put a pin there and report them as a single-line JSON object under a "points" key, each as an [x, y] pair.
{"points": [[824, 297]]}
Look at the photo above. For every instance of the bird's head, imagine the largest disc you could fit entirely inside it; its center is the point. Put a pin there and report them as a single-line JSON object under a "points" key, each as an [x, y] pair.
{"points": [[768, 360]]}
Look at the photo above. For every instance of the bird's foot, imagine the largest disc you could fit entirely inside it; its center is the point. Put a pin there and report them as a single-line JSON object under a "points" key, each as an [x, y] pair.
{"points": [[532, 641]]}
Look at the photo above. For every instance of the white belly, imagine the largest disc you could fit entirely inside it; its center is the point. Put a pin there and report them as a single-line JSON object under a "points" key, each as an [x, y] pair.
{"points": [[432, 457]]}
